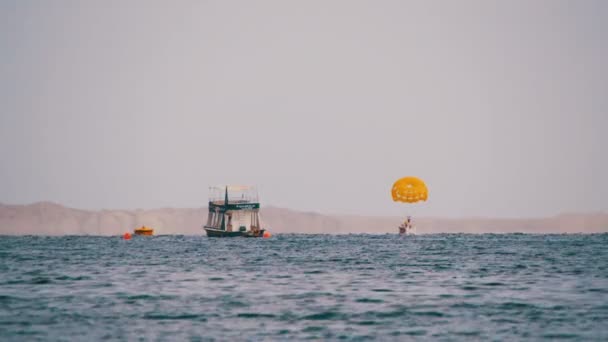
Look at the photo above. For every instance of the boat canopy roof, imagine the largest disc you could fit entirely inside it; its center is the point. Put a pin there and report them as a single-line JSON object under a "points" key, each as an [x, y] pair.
{"points": [[235, 193]]}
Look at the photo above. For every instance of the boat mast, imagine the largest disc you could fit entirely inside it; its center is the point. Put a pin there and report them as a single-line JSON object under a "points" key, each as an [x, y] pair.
{"points": [[223, 227]]}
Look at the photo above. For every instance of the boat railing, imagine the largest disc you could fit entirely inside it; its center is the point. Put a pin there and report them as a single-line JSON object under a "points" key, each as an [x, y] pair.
{"points": [[222, 202], [236, 194]]}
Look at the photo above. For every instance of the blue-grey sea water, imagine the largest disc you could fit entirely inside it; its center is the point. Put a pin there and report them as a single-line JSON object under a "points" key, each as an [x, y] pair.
{"points": [[292, 287]]}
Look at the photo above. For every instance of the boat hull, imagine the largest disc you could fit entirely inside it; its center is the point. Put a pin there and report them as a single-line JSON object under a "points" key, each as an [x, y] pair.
{"points": [[212, 232]]}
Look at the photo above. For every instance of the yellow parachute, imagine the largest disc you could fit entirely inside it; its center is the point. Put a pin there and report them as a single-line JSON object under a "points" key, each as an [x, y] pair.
{"points": [[409, 190]]}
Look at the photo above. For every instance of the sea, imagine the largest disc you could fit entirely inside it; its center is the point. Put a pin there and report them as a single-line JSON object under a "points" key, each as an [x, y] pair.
{"points": [[453, 287]]}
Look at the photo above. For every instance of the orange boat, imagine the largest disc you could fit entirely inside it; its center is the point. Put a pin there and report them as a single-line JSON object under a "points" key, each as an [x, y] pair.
{"points": [[144, 231]]}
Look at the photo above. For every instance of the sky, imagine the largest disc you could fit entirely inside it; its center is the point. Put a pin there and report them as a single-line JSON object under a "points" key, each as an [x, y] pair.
{"points": [[500, 106]]}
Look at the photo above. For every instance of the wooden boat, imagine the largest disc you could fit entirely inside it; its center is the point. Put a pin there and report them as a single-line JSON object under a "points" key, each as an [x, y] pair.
{"points": [[233, 212], [143, 230]]}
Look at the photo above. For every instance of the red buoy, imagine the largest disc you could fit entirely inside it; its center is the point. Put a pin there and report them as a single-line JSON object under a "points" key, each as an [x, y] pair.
{"points": [[127, 236], [267, 234]]}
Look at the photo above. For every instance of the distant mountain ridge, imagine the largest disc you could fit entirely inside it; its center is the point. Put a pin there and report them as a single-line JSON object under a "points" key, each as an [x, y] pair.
{"points": [[47, 218]]}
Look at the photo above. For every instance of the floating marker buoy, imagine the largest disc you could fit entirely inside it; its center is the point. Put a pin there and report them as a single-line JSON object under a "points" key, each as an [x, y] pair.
{"points": [[267, 234], [127, 236]]}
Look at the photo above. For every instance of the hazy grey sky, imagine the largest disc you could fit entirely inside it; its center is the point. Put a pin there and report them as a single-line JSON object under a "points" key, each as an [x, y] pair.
{"points": [[500, 106]]}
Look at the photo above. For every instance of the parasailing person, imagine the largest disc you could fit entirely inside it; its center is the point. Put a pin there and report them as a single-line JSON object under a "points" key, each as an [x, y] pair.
{"points": [[409, 190]]}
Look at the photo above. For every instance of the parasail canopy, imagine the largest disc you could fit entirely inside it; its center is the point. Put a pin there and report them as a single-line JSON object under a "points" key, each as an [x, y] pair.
{"points": [[409, 190]]}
